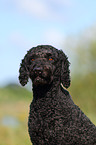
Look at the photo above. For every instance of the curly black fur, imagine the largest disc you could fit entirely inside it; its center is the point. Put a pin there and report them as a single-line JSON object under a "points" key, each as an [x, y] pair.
{"points": [[54, 119]]}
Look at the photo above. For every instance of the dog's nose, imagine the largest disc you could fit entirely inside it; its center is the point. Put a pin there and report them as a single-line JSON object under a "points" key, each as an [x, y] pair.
{"points": [[38, 70]]}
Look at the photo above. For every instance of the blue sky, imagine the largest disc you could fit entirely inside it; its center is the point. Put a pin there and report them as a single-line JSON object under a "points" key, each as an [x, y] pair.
{"points": [[27, 23]]}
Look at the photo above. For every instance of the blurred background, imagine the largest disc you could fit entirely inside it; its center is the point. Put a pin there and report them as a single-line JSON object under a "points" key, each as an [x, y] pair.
{"points": [[69, 25]]}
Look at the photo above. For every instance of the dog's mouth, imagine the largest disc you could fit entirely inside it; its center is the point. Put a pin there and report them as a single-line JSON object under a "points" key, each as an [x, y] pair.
{"points": [[41, 77], [38, 80], [42, 80]]}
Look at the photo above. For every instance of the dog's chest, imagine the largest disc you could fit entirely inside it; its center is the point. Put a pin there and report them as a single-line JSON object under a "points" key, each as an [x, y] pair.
{"points": [[47, 109], [42, 110], [46, 118]]}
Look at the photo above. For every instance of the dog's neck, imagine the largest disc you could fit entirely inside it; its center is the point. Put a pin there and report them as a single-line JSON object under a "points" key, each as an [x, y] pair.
{"points": [[48, 90]]}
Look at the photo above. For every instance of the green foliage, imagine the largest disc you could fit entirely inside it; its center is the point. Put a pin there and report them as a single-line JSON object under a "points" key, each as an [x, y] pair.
{"points": [[86, 58], [14, 103], [13, 92], [83, 86], [83, 92]]}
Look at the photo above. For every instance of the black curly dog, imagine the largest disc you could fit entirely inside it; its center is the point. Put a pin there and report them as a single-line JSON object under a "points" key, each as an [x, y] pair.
{"points": [[54, 119]]}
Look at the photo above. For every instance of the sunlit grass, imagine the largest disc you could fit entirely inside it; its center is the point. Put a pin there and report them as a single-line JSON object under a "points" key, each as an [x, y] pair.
{"points": [[14, 108], [15, 135]]}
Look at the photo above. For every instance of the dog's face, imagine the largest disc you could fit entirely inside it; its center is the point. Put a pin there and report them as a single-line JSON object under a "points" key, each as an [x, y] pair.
{"points": [[44, 64], [41, 66]]}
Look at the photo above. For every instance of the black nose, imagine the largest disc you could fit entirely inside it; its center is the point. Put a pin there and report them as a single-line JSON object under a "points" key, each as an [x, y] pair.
{"points": [[38, 70]]}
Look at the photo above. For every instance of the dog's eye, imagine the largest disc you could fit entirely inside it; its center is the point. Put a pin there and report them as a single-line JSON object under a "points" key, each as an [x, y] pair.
{"points": [[50, 59], [32, 59]]}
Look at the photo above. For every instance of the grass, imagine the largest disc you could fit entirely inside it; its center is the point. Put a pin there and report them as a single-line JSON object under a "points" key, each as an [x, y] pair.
{"points": [[14, 103]]}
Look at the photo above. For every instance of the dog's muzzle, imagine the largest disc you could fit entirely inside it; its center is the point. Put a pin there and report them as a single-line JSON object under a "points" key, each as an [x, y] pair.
{"points": [[41, 75]]}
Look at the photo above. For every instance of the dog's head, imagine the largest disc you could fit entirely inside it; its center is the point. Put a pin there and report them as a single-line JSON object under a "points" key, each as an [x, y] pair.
{"points": [[42, 63]]}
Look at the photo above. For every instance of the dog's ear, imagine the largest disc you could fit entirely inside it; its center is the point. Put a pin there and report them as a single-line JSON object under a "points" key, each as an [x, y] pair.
{"points": [[23, 72], [65, 72]]}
